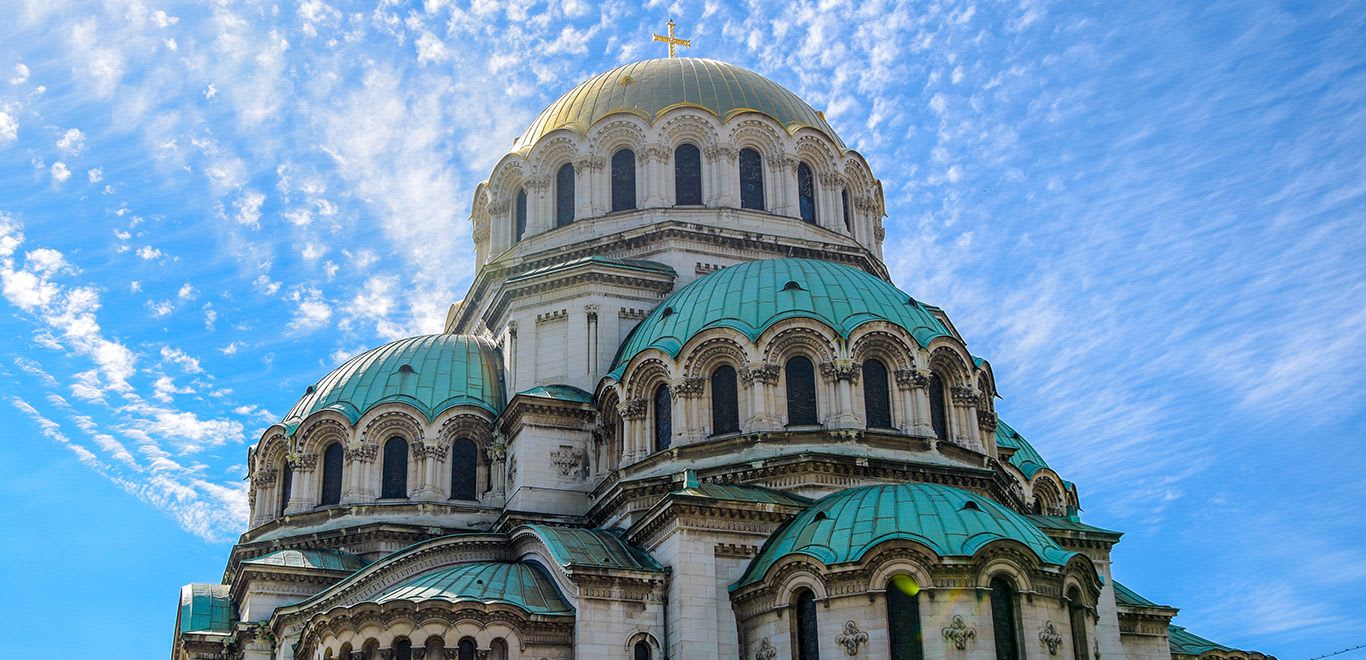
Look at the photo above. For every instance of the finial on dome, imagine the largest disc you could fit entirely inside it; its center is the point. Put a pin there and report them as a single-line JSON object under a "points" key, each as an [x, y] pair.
{"points": [[672, 40]]}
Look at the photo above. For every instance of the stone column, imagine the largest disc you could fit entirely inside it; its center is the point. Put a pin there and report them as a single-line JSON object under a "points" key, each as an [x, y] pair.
{"points": [[540, 208], [655, 159], [301, 495], [687, 396], [760, 378], [914, 385], [785, 171], [965, 430], [633, 424], [358, 462], [263, 488], [842, 373], [723, 168], [589, 187]]}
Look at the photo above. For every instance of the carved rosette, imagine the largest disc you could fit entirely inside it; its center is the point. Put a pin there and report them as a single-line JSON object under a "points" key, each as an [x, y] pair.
{"points": [[986, 420], [908, 379], [364, 453], [959, 632], [1049, 637], [760, 372], [841, 369], [964, 395], [766, 650], [633, 409], [687, 387], [851, 638]]}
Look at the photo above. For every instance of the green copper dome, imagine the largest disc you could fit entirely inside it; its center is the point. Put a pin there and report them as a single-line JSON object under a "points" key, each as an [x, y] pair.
{"points": [[520, 584], [842, 527], [752, 297], [653, 87], [431, 373]]}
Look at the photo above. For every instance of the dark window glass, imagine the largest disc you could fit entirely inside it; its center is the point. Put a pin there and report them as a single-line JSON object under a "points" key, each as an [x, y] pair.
{"points": [[286, 486], [877, 395], [687, 175], [464, 468], [806, 192], [807, 637], [903, 619], [664, 427], [1076, 613], [332, 474], [642, 650], [521, 214], [801, 391], [725, 401], [403, 650], [1003, 619], [564, 195], [395, 480], [623, 180], [465, 649], [751, 180], [848, 217], [939, 416]]}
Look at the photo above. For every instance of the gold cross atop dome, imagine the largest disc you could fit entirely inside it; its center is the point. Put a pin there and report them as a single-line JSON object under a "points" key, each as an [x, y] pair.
{"points": [[672, 40]]}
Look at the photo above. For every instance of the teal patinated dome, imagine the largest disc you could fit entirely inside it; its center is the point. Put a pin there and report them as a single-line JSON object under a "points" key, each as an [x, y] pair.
{"points": [[751, 297], [842, 527], [515, 583], [431, 373], [653, 87]]}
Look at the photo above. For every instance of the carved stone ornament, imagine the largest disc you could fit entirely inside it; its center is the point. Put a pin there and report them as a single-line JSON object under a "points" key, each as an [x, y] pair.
{"points": [[568, 460], [760, 372], [912, 378], [633, 409], [656, 152], [766, 650], [265, 477], [497, 449], [687, 387], [719, 151], [964, 395], [537, 182], [851, 638], [1050, 637], [841, 369], [986, 420], [365, 453], [590, 163], [959, 632], [512, 470], [305, 462]]}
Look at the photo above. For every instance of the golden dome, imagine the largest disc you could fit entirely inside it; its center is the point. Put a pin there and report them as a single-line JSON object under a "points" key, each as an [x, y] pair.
{"points": [[652, 87]]}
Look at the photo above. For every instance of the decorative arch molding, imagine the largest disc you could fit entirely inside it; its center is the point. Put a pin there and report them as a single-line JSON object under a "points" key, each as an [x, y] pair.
{"points": [[553, 151], [898, 557], [319, 432], [626, 131], [1049, 498], [506, 179], [793, 573], [950, 361], [380, 625], [688, 125], [798, 337], [645, 375], [465, 424], [273, 451], [817, 151], [641, 635], [885, 342], [758, 132], [707, 351], [390, 423], [1007, 558]]}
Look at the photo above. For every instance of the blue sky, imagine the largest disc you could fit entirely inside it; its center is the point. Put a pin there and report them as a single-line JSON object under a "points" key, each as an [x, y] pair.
{"points": [[1148, 216]]}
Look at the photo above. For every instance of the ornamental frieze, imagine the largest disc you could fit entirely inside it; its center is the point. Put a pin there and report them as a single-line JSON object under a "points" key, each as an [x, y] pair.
{"points": [[365, 453], [265, 477], [687, 387], [964, 395], [760, 372], [841, 369], [986, 420], [304, 462], [633, 408], [912, 379]]}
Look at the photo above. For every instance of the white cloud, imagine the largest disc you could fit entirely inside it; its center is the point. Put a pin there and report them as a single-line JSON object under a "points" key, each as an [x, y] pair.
{"points": [[310, 310], [98, 65], [160, 308], [149, 253], [248, 207], [21, 74], [95, 175], [186, 292], [60, 172], [9, 127], [164, 20], [176, 356], [72, 142], [231, 349], [266, 285]]}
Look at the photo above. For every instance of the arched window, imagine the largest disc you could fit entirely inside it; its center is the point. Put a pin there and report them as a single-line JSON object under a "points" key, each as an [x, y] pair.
{"points": [[465, 649], [903, 618], [498, 649], [1076, 615], [519, 217], [642, 650], [1003, 625], [687, 175], [939, 416], [332, 474], [623, 180], [286, 485], [564, 195], [725, 401], [751, 180], [807, 636], [877, 395], [464, 469], [403, 649], [801, 392], [848, 217], [394, 483], [664, 427], [806, 192]]}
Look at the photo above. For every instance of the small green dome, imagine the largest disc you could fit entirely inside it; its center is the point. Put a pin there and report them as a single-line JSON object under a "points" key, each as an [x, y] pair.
{"points": [[317, 558], [842, 527], [653, 87], [516, 583], [752, 297], [431, 373]]}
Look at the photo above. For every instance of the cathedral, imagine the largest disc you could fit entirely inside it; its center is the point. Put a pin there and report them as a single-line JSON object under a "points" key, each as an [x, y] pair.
{"points": [[682, 412]]}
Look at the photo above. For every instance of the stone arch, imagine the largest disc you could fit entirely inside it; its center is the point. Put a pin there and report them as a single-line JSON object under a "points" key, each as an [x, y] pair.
{"points": [[607, 434], [562, 146], [383, 425], [711, 349], [814, 148], [884, 341], [899, 556], [641, 635], [1048, 494], [1012, 563], [688, 125], [319, 431], [794, 573], [620, 132], [798, 337], [645, 374], [758, 132]]}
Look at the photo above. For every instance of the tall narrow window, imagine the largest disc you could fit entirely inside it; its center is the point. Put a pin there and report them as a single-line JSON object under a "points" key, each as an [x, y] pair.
{"points": [[687, 175], [332, 474], [1076, 614], [394, 483], [519, 218], [751, 180], [806, 192], [623, 180], [642, 650], [939, 416], [286, 485], [498, 649], [664, 427], [801, 392], [403, 650], [464, 469], [807, 635], [877, 395], [1003, 625], [465, 649], [725, 401], [564, 195], [903, 618], [848, 216]]}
